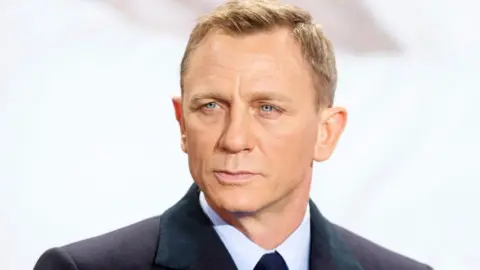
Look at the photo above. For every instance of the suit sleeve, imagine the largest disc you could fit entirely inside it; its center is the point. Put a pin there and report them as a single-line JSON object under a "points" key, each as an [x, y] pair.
{"points": [[55, 259]]}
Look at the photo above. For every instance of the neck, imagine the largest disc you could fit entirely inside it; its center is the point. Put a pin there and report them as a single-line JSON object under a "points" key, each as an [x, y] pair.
{"points": [[271, 225]]}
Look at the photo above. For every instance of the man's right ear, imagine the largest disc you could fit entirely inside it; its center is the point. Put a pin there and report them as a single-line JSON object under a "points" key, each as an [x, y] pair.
{"points": [[177, 106]]}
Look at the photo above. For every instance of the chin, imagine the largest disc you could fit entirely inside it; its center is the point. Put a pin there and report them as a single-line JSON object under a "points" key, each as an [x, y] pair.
{"points": [[236, 207], [236, 202]]}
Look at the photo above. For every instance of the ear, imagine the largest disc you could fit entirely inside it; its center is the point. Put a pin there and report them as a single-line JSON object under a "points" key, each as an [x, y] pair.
{"points": [[177, 106], [331, 126]]}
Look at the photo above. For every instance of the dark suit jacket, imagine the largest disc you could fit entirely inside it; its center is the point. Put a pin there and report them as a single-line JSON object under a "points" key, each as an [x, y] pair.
{"points": [[184, 238]]}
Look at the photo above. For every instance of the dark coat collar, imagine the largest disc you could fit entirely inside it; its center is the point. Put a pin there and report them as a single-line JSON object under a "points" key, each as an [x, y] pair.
{"points": [[187, 240]]}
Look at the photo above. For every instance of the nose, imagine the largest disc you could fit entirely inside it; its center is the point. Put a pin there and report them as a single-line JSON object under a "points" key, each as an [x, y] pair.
{"points": [[237, 135]]}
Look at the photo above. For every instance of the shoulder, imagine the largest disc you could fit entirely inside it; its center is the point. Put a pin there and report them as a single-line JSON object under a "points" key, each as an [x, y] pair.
{"points": [[131, 247], [375, 257]]}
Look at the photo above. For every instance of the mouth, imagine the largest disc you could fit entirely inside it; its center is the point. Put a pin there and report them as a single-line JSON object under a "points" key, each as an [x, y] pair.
{"points": [[234, 177]]}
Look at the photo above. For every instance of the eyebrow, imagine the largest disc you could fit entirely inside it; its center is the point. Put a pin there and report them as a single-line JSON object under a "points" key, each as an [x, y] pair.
{"points": [[269, 96], [255, 96], [195, 99]]}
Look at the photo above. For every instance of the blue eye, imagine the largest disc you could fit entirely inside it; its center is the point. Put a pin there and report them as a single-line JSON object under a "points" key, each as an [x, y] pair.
{"points": [[211, 105], [267, 108]]}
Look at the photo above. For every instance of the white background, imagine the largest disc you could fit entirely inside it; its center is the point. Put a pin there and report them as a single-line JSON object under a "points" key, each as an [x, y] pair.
{"points": [[88, 141]]}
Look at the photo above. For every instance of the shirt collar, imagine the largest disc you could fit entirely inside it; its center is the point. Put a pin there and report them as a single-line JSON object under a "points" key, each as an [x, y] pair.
{"points": [[295, 250]]}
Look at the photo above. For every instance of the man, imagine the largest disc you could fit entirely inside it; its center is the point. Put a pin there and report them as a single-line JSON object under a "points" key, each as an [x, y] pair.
{"points": [[256, 110]]}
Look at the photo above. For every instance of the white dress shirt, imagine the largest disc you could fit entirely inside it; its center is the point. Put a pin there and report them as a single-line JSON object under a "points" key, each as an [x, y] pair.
{"points": [[295, 250]]}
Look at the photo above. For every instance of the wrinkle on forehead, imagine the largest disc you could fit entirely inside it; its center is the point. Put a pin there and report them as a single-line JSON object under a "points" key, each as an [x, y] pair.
{"points": [[264, 53]]}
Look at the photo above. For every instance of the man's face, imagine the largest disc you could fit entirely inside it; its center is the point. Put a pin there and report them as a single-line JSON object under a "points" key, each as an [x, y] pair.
{"points": [[249, 120]]}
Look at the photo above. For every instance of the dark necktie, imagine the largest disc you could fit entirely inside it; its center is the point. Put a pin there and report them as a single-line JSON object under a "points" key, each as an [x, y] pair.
{"points": [[271, 261]]}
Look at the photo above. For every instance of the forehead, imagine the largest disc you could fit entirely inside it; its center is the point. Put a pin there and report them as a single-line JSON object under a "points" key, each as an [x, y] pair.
{"points": [[264, 56]]}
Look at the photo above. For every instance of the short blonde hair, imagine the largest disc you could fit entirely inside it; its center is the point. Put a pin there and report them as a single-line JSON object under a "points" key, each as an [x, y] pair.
{"points": [[248, 16]]}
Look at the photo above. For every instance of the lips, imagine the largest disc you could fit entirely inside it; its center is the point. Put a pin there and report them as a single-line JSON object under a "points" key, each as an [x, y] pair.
{"points": [[234, 177]]}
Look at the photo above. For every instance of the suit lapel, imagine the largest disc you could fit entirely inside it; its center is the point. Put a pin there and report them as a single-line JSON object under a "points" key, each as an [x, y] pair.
{"points": [[327, 250], [187, 239]]}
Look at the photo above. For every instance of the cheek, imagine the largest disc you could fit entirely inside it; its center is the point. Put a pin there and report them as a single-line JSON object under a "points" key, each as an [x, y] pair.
{"points": [[291, 134], [288, 146], [199, 144], [201, 139]]}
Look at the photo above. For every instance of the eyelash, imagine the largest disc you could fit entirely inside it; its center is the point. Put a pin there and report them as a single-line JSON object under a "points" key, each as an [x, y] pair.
{"points": [[274, 108], [205, 105]]}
